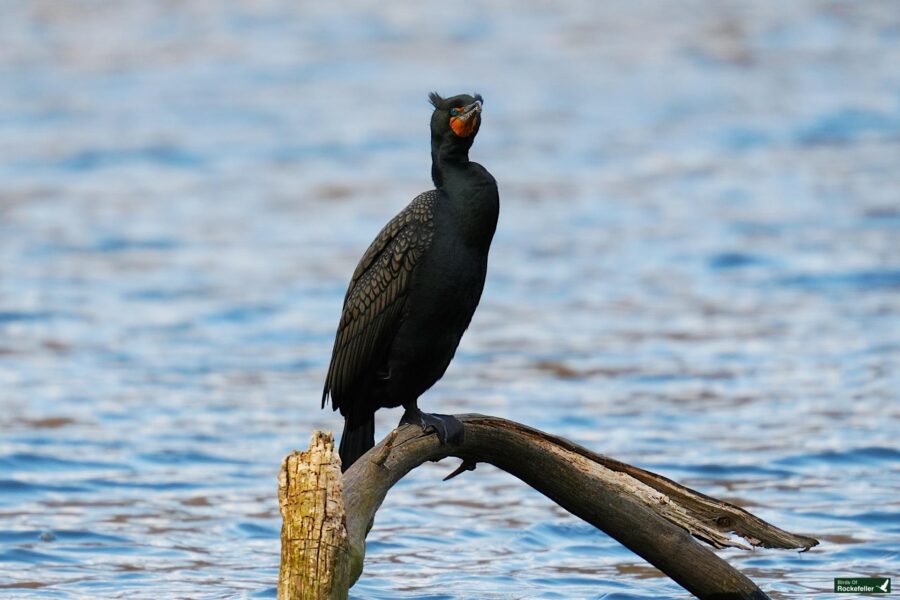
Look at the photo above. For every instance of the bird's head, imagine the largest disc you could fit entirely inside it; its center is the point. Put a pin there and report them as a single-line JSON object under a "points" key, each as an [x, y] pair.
{"points": [[455, 119]]}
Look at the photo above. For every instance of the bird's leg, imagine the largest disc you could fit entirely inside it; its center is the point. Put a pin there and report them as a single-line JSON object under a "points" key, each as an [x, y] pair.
{"points": [[448, 428]]}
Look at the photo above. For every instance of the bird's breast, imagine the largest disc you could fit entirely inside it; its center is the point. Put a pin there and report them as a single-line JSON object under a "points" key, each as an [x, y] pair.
{"points": [[451, 278]]}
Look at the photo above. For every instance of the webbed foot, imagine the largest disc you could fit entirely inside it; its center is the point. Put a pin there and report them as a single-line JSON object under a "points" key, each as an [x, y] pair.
{"points": [[448, 428]]}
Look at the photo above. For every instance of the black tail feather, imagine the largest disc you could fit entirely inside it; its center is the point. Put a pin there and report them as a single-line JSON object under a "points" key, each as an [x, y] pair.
{"points": [[356, 441]]}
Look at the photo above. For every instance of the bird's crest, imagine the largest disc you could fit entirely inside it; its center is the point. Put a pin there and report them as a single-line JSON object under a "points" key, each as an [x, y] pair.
{"points": [[436, 100]]}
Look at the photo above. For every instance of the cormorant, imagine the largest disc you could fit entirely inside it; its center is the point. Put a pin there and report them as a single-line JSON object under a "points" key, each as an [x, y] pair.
{"points": [[415, 289]]}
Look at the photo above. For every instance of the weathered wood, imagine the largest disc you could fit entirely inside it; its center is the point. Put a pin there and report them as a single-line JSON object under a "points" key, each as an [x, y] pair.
{"points": [[314, 544], [654, 517]]}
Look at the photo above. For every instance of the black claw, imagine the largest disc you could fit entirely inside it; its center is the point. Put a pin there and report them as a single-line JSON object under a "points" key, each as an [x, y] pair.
{"points": [[462, 468]]}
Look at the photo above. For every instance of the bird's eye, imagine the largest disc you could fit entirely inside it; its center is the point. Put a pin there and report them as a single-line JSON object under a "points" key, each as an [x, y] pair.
{"points": [[454, 112]]}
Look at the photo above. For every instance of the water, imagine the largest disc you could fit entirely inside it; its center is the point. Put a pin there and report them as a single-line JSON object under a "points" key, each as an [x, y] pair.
{"points": [[696, 270]]}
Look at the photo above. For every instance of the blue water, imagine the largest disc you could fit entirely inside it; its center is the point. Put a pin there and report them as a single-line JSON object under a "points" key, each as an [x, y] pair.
{"points": [[696, 270]]}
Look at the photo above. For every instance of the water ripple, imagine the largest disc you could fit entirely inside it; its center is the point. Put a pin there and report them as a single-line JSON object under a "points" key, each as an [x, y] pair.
{"points": [[696, 270]]}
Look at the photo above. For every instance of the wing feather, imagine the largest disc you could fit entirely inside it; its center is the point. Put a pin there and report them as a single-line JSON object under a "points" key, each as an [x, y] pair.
{"points": [[373, 304]]}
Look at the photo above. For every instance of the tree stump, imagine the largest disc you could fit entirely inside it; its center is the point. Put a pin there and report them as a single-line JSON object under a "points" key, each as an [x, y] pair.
{"points": [[314, 545]]}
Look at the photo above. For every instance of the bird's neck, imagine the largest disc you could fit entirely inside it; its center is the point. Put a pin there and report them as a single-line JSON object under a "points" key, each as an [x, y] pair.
{"points": [[471, 199], [447, 157]]}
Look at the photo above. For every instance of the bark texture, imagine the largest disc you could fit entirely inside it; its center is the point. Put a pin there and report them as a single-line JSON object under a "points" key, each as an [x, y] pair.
{"points": [[314, 544]]}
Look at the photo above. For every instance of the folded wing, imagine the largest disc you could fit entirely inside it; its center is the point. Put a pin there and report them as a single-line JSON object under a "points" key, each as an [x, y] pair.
{"points": [[373, 306]]}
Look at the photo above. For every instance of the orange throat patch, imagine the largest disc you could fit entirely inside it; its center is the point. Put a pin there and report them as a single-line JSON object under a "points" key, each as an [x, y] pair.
{"points": [[463, 128]]}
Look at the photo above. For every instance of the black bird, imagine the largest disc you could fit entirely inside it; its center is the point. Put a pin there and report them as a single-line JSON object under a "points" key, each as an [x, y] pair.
{"points": [[415, 289]]}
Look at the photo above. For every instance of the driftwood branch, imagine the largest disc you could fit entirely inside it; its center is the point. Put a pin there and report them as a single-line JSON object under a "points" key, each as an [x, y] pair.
{"points": [[654, 517]]}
